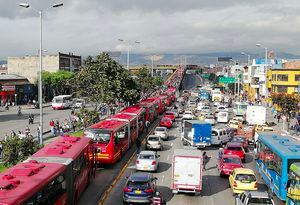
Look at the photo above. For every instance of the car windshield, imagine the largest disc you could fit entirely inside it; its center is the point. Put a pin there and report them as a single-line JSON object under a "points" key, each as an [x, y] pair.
{"points": [[234, 148], [137, 185], [57, 100], [222, 114], [259, 201], [160, 129], [232, 160], [98, 135], [238, 139], [245, 177], [169, 113], [146, 156], [153, 139], [165, 119]]}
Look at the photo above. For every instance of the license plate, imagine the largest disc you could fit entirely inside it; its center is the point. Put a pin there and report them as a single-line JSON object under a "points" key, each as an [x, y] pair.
{"points": [[145, 167], [138, 192]]}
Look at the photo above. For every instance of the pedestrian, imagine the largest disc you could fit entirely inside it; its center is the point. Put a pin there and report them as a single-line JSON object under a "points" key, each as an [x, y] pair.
{"points": [[13, 134], [51, 123], [6, 137], [220, 153], [73, 126], [278, 117], [57, 124], [27, 130], [138, 145], [205, 159], [53, 131]]}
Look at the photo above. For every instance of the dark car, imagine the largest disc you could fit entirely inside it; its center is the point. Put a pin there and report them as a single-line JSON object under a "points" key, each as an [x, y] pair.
{"points": [[140, 188], [240, 139]]}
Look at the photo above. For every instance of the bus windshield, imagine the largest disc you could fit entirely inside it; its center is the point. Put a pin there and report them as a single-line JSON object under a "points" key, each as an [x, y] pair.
{"points": [[98, 135]]}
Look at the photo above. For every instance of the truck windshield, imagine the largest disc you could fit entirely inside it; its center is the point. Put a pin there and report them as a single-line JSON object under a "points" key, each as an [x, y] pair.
{"points": [[98, 135]]}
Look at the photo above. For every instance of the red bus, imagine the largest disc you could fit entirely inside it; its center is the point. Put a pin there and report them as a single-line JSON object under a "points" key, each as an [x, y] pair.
{"points": [[76, 154], [34, 183], [139, 111], [110, 138], [151, 107]]}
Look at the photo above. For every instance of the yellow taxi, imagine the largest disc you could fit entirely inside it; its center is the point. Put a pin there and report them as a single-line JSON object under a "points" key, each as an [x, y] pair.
{"points": [[242, 179], [263, 128], [234, 124]]}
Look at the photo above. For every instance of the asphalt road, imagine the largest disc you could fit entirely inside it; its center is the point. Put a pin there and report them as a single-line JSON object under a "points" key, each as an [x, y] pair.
{"points": [[216, 189], [9, 120]]}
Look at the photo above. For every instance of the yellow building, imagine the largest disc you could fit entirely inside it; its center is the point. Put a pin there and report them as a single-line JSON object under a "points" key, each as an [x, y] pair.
{"points": [[285, 80]]}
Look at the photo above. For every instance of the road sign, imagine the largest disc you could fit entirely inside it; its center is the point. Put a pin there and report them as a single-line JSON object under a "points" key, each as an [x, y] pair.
{"points": [[226, 80]]}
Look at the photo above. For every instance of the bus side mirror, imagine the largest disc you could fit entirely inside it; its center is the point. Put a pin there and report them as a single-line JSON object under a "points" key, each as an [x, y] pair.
{"points": [[288, 183]]}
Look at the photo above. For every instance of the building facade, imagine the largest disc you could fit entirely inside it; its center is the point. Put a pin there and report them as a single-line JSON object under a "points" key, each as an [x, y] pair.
{"points": [[3, 69], [27, 66], [285, 80]]}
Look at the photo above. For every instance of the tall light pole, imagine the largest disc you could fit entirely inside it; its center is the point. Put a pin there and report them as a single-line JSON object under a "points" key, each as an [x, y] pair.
{"points": [[40, 91], [248, 57], [128, 49]]}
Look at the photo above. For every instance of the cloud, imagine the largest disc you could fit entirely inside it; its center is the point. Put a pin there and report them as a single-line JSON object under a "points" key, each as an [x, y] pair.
{"points": [[169, 26]]}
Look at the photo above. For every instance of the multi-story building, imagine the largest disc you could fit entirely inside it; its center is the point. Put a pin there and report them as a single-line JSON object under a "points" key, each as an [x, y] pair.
{"points": [[286, 79], [27, 66], [3, 69]]}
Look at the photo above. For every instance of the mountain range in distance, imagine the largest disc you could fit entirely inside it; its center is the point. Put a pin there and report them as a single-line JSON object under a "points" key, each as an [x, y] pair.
{"points": [[192, 59]]}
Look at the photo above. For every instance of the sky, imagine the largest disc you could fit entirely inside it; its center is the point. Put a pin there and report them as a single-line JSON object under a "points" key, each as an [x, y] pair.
{"points": [[87, 27]]}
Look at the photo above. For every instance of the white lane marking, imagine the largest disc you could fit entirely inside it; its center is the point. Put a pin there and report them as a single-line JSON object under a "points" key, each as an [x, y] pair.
{"points": [[172, 144], [168, 157], [162, 179]]}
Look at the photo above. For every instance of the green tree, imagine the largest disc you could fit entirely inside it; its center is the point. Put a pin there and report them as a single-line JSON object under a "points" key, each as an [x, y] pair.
{"points": [[102, 79], [87, 118], [158, 81], [287, 102], [145, 81], [16, 149]]}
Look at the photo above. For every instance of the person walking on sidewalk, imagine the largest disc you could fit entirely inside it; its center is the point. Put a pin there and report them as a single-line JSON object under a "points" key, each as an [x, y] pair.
{"points": [[205, 159]]}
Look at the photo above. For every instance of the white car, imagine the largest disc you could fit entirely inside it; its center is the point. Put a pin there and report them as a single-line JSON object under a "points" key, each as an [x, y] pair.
{"points": [[146, 161], [188, 115], [78, 103], [154, 142], [210, 119], [162, 132], [216, 104]]}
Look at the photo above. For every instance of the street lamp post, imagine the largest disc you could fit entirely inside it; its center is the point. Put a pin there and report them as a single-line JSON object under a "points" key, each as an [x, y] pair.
{"points": [[248, 57], [128, 49], [40, 90]]}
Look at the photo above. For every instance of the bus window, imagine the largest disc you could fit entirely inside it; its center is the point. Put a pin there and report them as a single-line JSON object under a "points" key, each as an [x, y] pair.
{"points": [[50, 193], [98, 135], [276, 164]]}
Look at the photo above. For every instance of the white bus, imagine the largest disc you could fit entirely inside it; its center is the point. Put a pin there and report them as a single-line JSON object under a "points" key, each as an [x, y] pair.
{"points": [[240, 108], [216, 95], [62, 102], [224, 116]]}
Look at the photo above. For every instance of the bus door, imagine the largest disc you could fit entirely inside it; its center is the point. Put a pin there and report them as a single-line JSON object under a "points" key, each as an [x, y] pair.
{"points": [[121, 142]]}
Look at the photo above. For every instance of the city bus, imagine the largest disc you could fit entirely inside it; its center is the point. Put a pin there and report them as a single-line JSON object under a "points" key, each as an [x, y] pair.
{"points": [[151, 107], [164, 102], [293, 185], [275, 156], [138, 111], [77, 155], [240, 108], [62, 102], [111, 138], [34, 182]]}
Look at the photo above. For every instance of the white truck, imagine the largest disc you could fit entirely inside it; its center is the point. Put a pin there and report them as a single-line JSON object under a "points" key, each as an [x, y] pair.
{"points": [[216, 96], [187, 171], [256, 115]]}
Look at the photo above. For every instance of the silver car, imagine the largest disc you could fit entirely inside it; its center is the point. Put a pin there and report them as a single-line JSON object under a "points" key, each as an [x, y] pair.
{"points": [[147, 161], [162, 132], [254, 197], [154, 142]]}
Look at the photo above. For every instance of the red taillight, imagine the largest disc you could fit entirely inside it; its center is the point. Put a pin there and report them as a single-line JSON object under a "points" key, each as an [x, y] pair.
{"points": [[149, 190], [137, 161], [126, 189], [255, 185], [234, 184], [154, 163]]}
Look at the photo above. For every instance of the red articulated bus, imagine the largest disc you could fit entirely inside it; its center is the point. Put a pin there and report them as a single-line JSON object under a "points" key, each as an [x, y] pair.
{"points": [[76, 154], [110, 138], [151, 107], [56, 174], [34, 183], [164, 102], [138, 111]]}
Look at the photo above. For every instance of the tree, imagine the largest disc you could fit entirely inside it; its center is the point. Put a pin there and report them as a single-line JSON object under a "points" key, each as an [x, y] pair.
{"points": [[103, 80], [158, 81], [87, 118], [16, 149], [287, 102], [145, 81], [57, 83]]}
